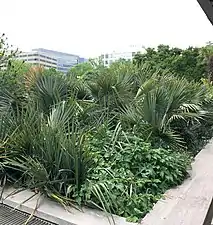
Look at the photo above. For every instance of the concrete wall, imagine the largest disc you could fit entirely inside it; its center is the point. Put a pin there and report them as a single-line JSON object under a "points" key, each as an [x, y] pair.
{"points": [[186, 204]]}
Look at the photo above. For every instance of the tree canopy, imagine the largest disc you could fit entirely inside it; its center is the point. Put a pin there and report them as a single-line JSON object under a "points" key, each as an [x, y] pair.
{"points": [[188, 63]]}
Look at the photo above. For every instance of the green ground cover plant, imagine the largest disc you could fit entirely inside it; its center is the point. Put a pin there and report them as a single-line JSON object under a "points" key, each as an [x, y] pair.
{"points": [[110, 138]]}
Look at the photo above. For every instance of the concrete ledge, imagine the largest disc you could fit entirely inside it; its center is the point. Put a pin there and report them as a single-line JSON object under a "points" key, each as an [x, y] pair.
{"points": [[187, 204], [55, 213]]}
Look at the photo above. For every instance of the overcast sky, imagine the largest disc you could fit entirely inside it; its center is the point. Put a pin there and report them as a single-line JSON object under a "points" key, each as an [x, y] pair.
{"points": [[90, 27]]}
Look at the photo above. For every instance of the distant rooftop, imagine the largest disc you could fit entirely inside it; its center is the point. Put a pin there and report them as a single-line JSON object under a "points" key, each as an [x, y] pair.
{"points": [[54, 52], [127, 49]]}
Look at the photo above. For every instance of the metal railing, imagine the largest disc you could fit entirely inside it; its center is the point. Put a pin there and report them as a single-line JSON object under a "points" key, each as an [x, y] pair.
{"points": [[209, 215]]}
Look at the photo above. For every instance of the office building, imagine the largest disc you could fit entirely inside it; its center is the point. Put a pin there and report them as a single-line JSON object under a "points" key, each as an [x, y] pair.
{"points": [[64, 60], [38, 58], [127, 54]]}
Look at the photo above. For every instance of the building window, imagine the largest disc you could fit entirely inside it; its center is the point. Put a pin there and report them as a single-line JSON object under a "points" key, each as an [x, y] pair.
{"points": [[106, 62], [106, 56]]}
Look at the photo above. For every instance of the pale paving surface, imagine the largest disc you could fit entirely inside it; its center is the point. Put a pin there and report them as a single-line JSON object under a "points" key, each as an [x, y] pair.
{"points": [[188, 203], [184, 205], [54, 212]]}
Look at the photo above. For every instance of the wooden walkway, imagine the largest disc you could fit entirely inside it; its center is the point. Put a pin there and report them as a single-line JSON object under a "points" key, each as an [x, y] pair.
{"points": [[187, 204]]}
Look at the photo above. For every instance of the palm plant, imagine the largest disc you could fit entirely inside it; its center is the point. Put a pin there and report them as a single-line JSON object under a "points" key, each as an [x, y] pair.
{"points": [[112, 89], [43, 142], [65, 137], [47, 152], [161, 103]]}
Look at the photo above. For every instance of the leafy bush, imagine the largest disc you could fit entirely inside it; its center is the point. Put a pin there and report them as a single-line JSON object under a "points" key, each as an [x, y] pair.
{"points": [[115, 140], [184, 63], [134, 173], [161, 105]]}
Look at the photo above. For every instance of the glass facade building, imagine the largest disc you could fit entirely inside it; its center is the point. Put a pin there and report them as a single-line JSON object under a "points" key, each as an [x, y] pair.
{"points": [[38, 58], [82, 60], [64, 60]]}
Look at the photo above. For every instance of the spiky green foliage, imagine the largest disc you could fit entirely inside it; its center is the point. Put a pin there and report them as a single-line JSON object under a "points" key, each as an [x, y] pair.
{"points": [[160, 104], [115, 141]]}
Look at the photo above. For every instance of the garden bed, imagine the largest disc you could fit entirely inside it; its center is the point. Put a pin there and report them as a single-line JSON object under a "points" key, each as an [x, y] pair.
{"points": [[51, 211], [113, 139], [188, 203]]}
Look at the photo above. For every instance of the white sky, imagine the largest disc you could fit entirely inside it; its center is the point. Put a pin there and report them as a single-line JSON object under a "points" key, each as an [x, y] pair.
{"points": [[91, 27]]}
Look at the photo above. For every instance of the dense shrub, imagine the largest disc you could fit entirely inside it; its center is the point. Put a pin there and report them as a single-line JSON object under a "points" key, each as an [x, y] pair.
{"points": [[134, 173], [188, 63], [111, 138]]}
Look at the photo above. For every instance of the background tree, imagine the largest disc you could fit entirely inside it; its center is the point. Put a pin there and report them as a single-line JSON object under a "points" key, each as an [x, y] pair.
{"points": [[81, 70], [6, 52], [87, 70], [207, 57], [188, 63], [18, 67]]}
